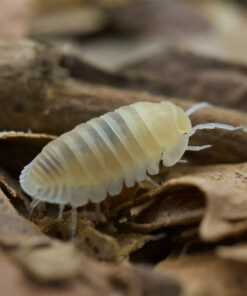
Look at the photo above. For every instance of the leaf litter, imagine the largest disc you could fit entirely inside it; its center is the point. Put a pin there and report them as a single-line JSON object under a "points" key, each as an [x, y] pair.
{"points": [[199, 209]]}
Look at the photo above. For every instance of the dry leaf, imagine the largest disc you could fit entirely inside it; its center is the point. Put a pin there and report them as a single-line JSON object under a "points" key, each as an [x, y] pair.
{"points": [[14, 19], [50, 262], [57, 262], [104, 243], [12, 190], [180, 200], [132, 242], [98, 245], [18, 149], [206, 275], [160, 18], [178, 206], [115, 206], [11, 222], [74, 21], [236, 252], [176, 73]]}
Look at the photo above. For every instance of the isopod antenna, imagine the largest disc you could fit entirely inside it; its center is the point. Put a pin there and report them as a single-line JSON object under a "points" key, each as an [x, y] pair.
{"points": [[213, 125], [196, 107]]}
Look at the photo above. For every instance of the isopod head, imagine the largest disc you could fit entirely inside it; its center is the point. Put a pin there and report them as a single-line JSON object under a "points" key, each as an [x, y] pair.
{"points": [[169, 125]]}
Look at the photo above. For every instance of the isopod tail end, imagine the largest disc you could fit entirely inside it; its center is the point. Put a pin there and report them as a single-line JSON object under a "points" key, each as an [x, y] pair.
{"points": [[26, 181]]}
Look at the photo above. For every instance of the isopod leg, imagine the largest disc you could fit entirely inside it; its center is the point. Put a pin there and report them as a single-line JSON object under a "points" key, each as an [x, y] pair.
{"points": [[151, 181], [197, 148], [183, 161], [60, 213], [73, 222], [32, 205], [97, 213]]}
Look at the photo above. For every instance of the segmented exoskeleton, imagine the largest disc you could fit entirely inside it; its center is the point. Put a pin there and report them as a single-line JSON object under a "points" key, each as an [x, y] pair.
{"points": [[97, 157]]}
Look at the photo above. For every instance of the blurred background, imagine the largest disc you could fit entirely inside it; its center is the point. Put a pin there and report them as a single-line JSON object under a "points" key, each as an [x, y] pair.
{"points": [[114, 33]]}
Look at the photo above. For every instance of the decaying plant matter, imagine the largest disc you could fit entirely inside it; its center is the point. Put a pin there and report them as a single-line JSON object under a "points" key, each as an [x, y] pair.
{"points": [[192, 226]]}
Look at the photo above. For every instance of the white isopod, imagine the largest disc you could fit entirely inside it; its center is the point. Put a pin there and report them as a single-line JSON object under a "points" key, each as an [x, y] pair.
{"points": [[99, 156]]}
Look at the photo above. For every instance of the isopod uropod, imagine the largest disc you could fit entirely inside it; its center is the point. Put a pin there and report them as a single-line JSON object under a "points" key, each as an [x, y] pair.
{"points": [[97, 157]]}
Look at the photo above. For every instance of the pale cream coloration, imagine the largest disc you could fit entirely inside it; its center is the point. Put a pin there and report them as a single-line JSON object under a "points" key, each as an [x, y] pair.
{"points": [[97, 157], [120, 147]]}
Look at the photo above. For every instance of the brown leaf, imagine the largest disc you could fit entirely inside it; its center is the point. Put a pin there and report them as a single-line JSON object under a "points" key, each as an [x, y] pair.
{"points": [[98, 245], [176, 73], [11, 222], [14, 18], [160, 18], [70, 272], [180, 200], [206, 275], [114, 206], [18, 149], [18, 242], [226, 202], [237, 252], [12, 190], [178, 206], [54, 263], [72, 21], [132, 242], [103, 243]]}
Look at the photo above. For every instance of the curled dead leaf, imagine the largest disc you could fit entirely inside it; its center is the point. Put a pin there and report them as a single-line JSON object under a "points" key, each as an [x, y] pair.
{"points": [[180, 200]]}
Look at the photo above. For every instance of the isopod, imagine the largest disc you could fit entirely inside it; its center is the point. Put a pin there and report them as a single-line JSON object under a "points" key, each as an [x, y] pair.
{"points": [[121, 147]]}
